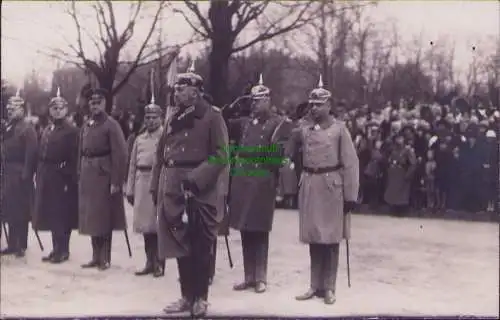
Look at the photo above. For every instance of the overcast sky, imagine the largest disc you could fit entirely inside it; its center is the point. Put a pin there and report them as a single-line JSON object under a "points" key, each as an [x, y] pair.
{"points": [[28, 26]]}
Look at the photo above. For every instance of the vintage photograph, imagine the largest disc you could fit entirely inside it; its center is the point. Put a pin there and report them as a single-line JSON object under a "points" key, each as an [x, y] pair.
{"points": [[235, 158]]}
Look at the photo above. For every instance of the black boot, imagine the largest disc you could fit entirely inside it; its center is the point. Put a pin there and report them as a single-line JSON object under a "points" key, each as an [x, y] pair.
{"points": [[105, 256], [159, 268], [148, 268], [96, 252]]}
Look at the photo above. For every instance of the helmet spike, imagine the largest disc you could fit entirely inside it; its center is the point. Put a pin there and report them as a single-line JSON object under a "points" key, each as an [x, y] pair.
{"points": [[58, 92], [191, 68], [261, 81], [152, 86], [320, 82]]}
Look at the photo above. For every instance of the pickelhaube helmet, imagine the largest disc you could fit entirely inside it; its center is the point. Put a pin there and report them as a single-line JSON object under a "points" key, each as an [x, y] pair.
{"points": [[58, 100], [260, 91], [189, 78], [320, 94], [152, 107], [16, 101]]}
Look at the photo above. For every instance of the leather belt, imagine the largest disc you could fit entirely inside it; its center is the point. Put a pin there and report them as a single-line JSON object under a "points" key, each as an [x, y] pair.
{"points": [[143, 168], [322, 169], [182, 163], [101, 154]]}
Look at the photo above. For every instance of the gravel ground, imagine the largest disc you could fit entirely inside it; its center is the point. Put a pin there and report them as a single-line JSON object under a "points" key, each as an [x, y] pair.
{"points": [[399, 266]]}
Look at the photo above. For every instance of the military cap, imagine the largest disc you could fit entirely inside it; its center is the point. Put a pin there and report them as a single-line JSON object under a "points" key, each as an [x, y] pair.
{"points": [[189, 79], [260, 91], [16, 101], [320, 94], [58, 100]]}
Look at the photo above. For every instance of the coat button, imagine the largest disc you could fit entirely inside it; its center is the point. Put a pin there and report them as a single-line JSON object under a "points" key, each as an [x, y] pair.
{"points": [[168, 148], [186, 134], [182, 149]]}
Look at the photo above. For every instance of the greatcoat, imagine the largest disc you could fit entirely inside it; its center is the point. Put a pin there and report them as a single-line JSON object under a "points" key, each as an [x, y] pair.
{"points": [[255, 173], [321, 196], [103, 158], [196, 152], [19, 152], [56, 195], [402, 165], [139, 180]]}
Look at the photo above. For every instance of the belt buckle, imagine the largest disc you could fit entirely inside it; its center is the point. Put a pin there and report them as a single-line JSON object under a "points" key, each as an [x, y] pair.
{"points": [[170, 162], [315, 170]]}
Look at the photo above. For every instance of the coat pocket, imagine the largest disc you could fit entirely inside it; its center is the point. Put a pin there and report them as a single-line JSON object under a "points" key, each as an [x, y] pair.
{"points": [[333, 181]]}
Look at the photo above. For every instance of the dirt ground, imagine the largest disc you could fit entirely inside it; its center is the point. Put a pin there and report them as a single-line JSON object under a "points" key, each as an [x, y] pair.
{"points": [[399, 266]]}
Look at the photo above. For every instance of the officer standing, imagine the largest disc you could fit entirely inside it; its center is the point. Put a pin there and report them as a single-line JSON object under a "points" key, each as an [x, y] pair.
{"points": [[102, 168], [190, 159], [56, 196], [254, 182], [19, 152], [328, 191], [139, 180]]}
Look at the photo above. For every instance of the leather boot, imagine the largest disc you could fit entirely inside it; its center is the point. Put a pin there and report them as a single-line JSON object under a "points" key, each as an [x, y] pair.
{"points": [[159, 268], [96, 251], [105, 254], [148, 268]]}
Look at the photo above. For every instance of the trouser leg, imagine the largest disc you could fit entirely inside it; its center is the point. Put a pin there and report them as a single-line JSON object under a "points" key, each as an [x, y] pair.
{"points": [[213, 258], [96, 248], [261, 256], [148, 248], [18, 235], [316, 256], [184, 266], [330, 266], [106, 248], [201, 255], [65, 238], [248, 256], [55, 242]]}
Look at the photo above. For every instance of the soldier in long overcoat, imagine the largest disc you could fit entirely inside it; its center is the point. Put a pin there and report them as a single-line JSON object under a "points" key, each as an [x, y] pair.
{"points": [[19, 152], [402, 164], [328, 190], [138, 183], [190, 158], [56, 196], [253, 185], [102, 168]]}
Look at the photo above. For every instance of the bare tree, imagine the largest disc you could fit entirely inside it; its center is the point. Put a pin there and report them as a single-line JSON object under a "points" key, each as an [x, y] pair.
{"points": [[226, 21], [111, 72]]}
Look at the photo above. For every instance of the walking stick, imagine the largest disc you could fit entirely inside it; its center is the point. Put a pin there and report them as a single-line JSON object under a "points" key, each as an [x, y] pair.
{"points": [[128, 243], [348, 264], [231, 265], [5, 232], [39, 240]]}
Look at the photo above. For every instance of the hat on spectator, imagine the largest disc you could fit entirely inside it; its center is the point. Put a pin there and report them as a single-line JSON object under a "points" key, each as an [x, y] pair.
{"points": [[260, 91], [491, 134], [189, 79], [96, 93], [58, 100], [16, 101], [320, 94]]}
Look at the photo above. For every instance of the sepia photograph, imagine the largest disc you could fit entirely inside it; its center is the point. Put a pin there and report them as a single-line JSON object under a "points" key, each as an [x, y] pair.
{"points": [[250, 159]]}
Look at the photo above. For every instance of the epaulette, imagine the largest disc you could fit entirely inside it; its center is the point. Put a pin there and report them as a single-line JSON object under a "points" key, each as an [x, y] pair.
{"points": [[216, 109]]}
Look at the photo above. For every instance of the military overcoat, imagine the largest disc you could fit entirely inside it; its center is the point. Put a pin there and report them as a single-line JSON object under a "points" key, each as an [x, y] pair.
{"points": [[19, 158], [402, 165], [56, 195], [103, 159], [322, 195], [255, 171], [195, 152], [139, 181]]}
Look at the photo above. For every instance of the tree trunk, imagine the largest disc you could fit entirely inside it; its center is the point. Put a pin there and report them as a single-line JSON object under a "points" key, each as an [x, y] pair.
{"points": [[219, 73]]}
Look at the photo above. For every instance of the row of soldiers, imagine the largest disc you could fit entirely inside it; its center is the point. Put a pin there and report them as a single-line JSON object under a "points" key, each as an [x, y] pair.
{"points": [[185, 183]]}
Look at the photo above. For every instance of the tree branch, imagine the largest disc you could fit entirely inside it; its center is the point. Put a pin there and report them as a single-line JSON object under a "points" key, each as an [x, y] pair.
{"points": [[193, 7]]}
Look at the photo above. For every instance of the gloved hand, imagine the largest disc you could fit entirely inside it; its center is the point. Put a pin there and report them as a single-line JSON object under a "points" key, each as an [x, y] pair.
{"points": [[130, 199], [349, 206]]}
